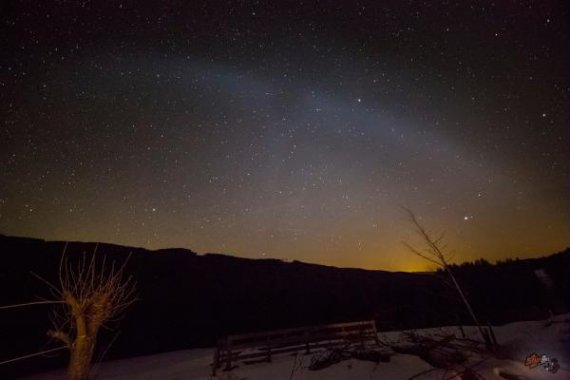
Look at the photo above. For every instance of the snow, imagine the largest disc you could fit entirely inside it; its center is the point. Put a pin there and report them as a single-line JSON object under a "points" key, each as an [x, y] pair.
{"points": [[517, 340]]}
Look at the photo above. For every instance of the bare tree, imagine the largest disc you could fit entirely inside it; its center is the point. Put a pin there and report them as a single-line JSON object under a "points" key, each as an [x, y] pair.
{"points": [[435, 252], [91, 295]]}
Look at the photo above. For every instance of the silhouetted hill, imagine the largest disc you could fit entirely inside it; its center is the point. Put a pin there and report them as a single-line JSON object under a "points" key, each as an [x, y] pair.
{"points": [[188, 300]]}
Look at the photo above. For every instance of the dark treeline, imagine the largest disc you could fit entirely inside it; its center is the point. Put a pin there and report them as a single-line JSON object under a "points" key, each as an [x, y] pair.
{"points": [[188, 300]]}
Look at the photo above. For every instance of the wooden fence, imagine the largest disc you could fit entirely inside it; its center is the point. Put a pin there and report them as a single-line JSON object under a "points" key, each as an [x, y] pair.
{"points": [[262, 346]]}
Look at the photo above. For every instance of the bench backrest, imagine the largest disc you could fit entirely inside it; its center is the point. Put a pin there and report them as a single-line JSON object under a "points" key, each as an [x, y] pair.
{"points": [[230, 348]]}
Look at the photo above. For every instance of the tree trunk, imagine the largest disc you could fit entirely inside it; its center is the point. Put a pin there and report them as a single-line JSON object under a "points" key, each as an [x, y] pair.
{"points": [[82, 348], [464, 299], [80, 358]]}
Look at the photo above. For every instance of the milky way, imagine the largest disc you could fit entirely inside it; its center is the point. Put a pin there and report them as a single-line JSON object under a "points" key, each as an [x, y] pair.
{"points": [[287, 131]]}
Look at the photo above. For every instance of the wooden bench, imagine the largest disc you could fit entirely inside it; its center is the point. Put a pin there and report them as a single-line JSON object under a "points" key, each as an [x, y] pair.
{"points": [[263, 345]]}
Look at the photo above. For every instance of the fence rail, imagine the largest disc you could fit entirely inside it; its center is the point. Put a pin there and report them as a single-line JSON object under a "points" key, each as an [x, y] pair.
{"points": [[263, 345]]}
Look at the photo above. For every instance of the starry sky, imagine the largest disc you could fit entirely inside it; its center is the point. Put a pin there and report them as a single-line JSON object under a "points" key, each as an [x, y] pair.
{"points": [[292, 129]]}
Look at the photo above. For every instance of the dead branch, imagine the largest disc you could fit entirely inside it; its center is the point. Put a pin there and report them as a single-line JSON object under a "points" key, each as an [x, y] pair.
{"points": [[435, 253]]}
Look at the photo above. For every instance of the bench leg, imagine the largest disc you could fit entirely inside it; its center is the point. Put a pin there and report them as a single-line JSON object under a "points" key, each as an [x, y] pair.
{"points": [[228, 360], [216, 362]]}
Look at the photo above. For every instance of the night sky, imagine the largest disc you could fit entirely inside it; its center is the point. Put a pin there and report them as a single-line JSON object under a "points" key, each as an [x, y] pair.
{"points": [[289, 130]]}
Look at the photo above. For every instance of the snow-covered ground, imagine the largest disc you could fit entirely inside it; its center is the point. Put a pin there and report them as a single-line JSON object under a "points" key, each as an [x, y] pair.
{"points": [[517, 341]]}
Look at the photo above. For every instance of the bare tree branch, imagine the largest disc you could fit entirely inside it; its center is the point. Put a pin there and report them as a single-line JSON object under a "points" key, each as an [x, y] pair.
{"points": [[32, 355], [93, 295], [435, 253], [29, 304], [422, 255], [60, 335]]}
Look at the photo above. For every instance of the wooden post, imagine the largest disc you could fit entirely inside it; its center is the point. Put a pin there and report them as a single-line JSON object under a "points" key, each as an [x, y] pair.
{"points": [[493, 337], [375, 332], [487, 339], [307, 344], [460, 325], [462, 331], [216, 362], [268, 342], [228, 354]]}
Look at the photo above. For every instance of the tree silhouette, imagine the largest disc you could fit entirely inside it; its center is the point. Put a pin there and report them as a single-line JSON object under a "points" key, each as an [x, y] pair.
{"points": [[90, 296], [435, 252]]}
